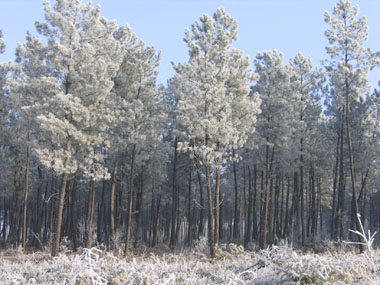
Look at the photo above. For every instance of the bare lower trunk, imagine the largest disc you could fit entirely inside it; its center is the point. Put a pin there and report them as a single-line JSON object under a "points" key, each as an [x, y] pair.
{"points": [[112, 201], [26, 193], [217, 205], [55, 246], [129, 227], [210, 213]]}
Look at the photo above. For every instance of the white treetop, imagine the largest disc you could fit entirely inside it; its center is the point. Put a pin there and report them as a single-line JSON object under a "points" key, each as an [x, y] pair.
{"points": [[215, 112], [68, 79], [350, 62], [137, 102], [276, 122]]}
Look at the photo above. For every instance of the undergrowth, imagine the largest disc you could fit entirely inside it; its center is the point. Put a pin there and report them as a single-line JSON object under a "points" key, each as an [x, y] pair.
{"points": [[233, 265]]}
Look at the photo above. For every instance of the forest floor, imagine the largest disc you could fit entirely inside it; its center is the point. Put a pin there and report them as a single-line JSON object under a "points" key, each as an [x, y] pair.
{"points": [[233, 265]]}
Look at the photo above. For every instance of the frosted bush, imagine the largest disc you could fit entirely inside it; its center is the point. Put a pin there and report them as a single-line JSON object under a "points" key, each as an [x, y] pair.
{"points": [[275, 265]]}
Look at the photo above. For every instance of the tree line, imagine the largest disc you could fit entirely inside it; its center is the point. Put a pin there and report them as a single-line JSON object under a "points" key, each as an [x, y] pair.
{"points": [[94, 150]]}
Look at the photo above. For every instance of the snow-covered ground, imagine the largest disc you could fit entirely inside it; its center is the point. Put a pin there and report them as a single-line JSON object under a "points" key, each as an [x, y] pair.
{"points": [[277, 265]]}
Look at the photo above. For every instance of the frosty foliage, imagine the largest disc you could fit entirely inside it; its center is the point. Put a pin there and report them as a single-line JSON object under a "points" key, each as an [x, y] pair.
{"points": [[350, 61], [276, 265], [136, 102], [63, 84], [215, 113]]}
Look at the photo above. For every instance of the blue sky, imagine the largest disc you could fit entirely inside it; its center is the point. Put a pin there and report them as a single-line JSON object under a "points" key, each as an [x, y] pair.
{"points": [[289, 26]]}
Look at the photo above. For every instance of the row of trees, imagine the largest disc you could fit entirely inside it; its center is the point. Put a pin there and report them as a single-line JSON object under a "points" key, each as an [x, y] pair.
{"points": [[92, 149]]}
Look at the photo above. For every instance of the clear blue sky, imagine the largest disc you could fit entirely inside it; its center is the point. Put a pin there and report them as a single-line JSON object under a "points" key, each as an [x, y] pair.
{"points": [[286, 25]]}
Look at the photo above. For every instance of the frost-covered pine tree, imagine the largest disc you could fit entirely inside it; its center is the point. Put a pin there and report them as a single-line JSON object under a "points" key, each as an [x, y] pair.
{"points": [[140, 112], [305, 88], [275, 124], [76, 63], [348, 68], [214, 112]]}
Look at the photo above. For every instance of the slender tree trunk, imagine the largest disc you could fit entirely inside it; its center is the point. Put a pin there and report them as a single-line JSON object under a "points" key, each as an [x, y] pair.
{"points": [[217, 205], [13, 228], [55, 247], [38, 226], [90, 213], [281, 225], [174, 197], [301, 199], [26, 193], [112, 201], [286, 226], [130, 208], [210, 213], [248, 237], [254, 211], [333, 210], [156, 228], [267, 197], [236, 208], [201, 204], [139, 209], [314, 214], [100, 231], [189, 216], [152, 217], [339, 222], [72, 213]]}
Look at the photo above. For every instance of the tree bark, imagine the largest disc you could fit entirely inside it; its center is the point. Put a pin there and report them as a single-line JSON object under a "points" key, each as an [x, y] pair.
{"points": [[189, 215], [174, 197], [333, 210], [236, 236], [90, 213], [210, 213], [248, 236], [55, 247], [112, 201], [217, 205], [26, 193], [130, 208]]}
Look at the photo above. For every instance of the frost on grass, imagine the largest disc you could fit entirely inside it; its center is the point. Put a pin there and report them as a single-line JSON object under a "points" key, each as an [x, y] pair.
{"points": [[276, 265]]}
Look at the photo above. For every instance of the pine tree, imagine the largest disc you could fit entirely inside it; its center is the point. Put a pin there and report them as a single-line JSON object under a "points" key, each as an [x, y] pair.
{"points": [[214, 111], [75, 68], [348, 68], [140, 112]]}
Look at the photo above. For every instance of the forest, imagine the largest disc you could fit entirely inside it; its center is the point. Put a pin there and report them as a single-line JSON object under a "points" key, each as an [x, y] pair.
{"points": [[251, 152]]}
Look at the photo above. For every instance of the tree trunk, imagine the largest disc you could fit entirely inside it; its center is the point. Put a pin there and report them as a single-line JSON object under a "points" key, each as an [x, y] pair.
{"points": [[90, 214], [333, 210], [301, 199], [13, 227], [189, 215], [156, 227], [210, 213], [37, 240], [339, 222], [102, 209], [201, 204], [174, 198], [130, 208], [267, 197], [112, 201], [248, 237], [26, 193], [254, 211], [236, 236], [55, 246], [217, 205], [139, 208], [286, 225], [72, 233]]}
